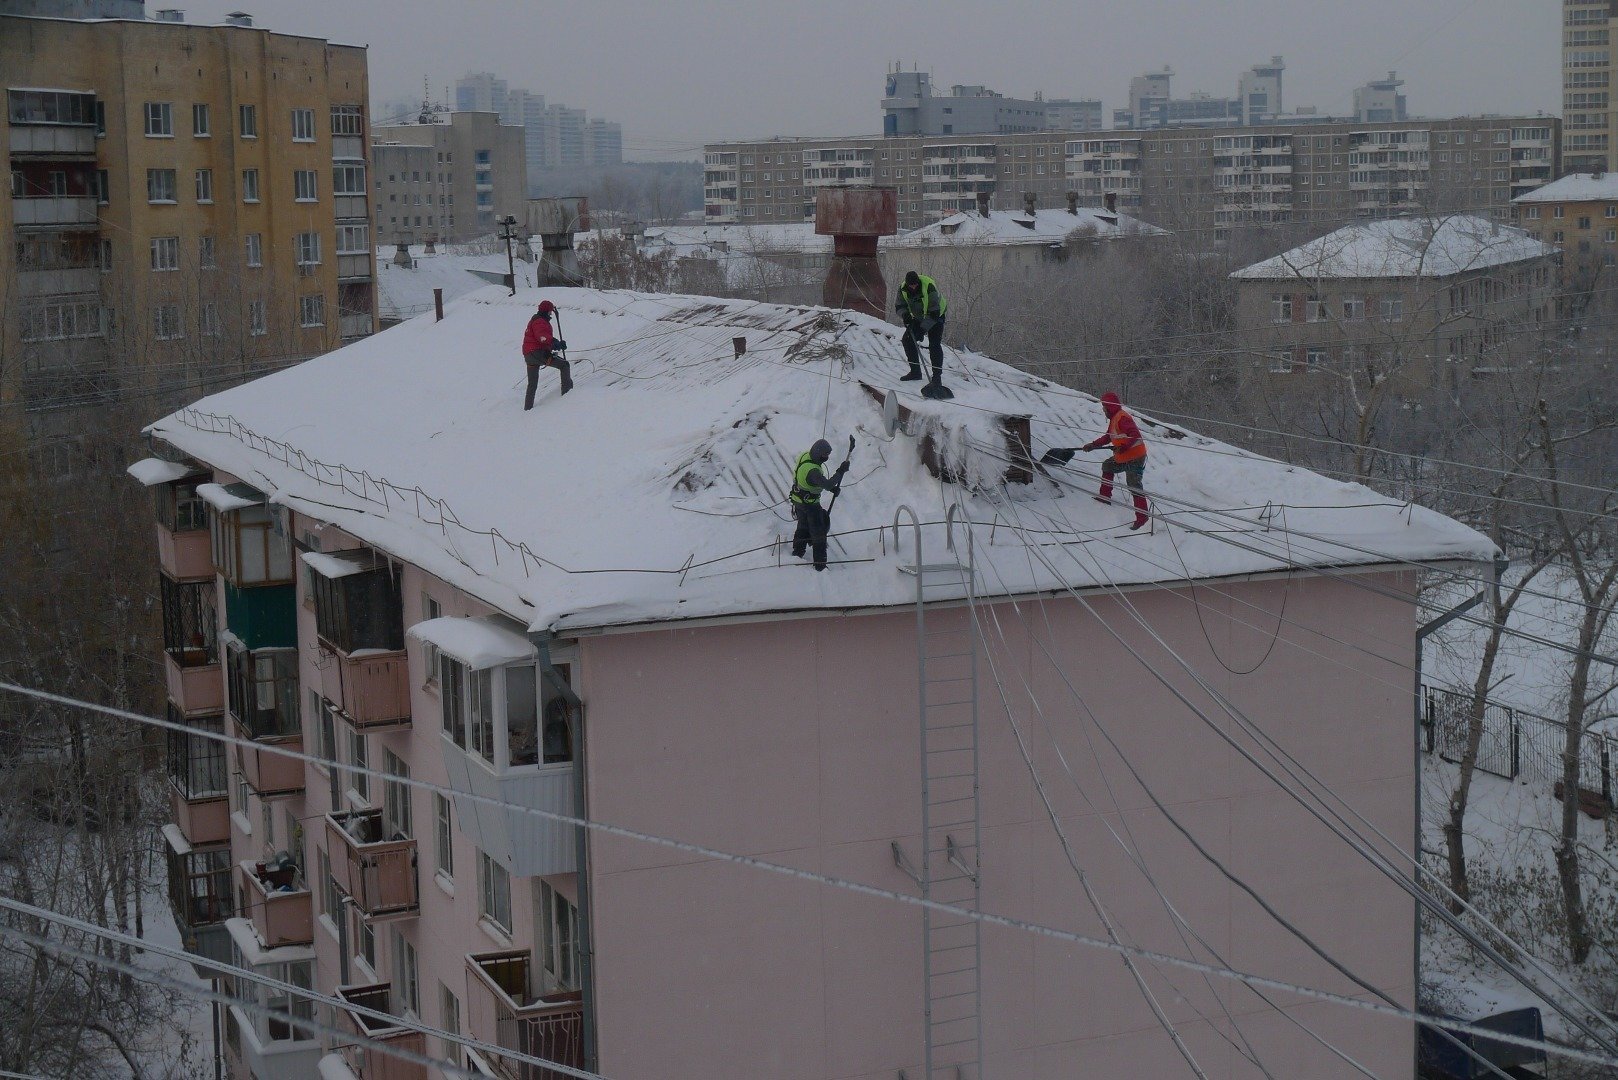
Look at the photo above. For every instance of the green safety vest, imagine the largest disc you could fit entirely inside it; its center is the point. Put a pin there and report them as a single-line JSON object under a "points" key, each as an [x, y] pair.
{"points": [[928, 285], [803, 492]]}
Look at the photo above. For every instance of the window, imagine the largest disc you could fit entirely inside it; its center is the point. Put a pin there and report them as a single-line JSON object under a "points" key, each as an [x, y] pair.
{"points": [[159, 120], [1353, 308], [249, 185], [494, 892], [262, 691], [430, 609], [1392, 308], [1316, 357], [1281, 307], [103, 187], [443, 837], [449, 1019], [1584, 221], [365, 937], [347, 120], [354, 239], [253, 248], [249, 545], [480, 714], [256, 325], [1315, 309], [166, 322], [404, 972], [358, 761], [199, 121], [248, 124], [104, 256], [361, 609], [196, 763], [331, 897], [211, 326], [348, 179], [306, 246], [161, 186], [204, 185], [558, 937], [396, 815], [165, 253], [303, 125], [451, 686], [303, 185], [199, 885], [312, 310], [1533, 213]]}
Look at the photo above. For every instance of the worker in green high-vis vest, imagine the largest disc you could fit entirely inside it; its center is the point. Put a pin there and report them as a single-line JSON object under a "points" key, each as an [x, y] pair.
{"points": [[808, 481], [921, 308]]}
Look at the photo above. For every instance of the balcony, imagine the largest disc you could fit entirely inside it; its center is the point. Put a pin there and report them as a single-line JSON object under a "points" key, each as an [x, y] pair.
{"points": [[195, 685], [184, 556], [201, 821], [263, 617], [356, 326], [54, 211], [347, 148], [501, 1008], [61, 141], [278, 904], [377, 871], [199, 896], [351, 208], [268, 773], [263, 1032], [197, 777], [354, 266], [60, 281], [373, 688], [369, 1061]]}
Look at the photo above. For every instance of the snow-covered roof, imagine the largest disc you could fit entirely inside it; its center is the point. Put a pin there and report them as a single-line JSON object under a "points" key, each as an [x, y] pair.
{"points": [[655, 491], [405, 292], [1575, 187], [1007, 227], [341, 564], [225, 499], [788, 238], [1433, 247], [153, 471], [478, 643]]}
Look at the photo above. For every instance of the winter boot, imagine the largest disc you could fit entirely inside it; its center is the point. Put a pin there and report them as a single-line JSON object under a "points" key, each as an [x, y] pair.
{"points": [[913, 375], [937, 391]]}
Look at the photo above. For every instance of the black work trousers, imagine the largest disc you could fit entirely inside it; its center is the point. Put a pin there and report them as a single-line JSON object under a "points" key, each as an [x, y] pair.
{"points": [[537, 360], [814, 522], [935, 348]]}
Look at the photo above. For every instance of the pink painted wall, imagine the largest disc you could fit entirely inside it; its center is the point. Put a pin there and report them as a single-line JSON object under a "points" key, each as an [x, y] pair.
{"points": [[797, 741]]}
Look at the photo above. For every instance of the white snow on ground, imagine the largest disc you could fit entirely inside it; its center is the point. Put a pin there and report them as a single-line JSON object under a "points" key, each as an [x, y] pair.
{"points": [[192, 1017], [656, 490]]}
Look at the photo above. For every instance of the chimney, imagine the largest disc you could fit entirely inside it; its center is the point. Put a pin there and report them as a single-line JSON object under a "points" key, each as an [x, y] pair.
{"points": [[1073, 203], [429, 249], [170, 15], [983, 203], [856, 218], [401, 257], [1111, 201], [555, 220], [239, 18], [1029, 202]]}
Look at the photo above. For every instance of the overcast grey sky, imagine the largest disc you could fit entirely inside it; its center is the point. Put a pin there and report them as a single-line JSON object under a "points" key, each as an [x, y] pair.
{"points": [[681, 72]]}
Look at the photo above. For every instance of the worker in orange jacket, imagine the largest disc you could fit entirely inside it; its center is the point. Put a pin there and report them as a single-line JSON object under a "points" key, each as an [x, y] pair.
{"points": [[1128, 455]]}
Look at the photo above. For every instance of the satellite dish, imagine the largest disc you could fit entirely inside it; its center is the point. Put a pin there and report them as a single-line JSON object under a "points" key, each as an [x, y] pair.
{"points": [[890, 411]]}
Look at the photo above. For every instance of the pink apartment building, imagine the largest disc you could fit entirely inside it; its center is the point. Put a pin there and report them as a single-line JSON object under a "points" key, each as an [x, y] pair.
{"points": [[589, 609]]}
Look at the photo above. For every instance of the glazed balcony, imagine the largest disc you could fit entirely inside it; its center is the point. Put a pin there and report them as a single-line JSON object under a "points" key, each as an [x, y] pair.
{"points": [[279, 904], [199, 895], [360, 625], [54, 211], [501, 1008], [63, 142], [197, 777], [263, 696], [377, 871], [371, 1062]]}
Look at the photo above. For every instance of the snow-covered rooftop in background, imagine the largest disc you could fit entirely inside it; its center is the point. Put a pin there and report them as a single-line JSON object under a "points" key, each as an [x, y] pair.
{"points": [[1007, 227], [656, 490], [788, 238], [404, 292], [1402, 248], [1575, 187]]}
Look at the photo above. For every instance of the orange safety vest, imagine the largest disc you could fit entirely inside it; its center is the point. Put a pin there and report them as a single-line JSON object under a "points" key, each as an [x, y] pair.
{"points": [[1134, 453]]}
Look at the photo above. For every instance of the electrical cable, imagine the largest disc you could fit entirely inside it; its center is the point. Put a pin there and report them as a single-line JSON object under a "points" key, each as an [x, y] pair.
{"points": [[848, 885]]}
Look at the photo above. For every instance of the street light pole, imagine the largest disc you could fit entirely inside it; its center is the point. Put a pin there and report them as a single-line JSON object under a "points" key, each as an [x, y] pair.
{"points": [[508, 233]]}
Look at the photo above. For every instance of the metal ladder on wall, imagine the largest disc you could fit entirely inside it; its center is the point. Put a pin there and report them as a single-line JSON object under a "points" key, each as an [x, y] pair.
{"points": [[947, 872]]}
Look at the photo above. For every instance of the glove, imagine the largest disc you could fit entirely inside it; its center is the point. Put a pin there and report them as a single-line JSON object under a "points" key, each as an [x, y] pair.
{"points": [[1097, 445], [842, 471], [927, 325], [558, 345]]}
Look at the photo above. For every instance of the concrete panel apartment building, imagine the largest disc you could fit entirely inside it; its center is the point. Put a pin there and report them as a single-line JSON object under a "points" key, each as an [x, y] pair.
{"points": [[449, 181], [1587, 62], [185, 199], [1177, 178]]}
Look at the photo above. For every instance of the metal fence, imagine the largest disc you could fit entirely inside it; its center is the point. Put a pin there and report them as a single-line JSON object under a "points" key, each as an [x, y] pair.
{"points": [[1514, 743]]}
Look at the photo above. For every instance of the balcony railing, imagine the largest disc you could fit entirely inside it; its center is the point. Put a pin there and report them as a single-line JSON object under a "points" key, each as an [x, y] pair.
{"points": [[353, 266], [54, 210], [196, 688], [202, 821], [279, 905], [378, 872], [356, 326], [531, 845], [184, 556], [502, 1008], [268, 773], [371, 688], [58, 281], [65, 141], [372, 1062]]}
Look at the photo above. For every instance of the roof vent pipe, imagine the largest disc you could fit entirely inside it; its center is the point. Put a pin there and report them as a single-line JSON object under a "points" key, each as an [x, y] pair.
{"points": [[983, 203], [1029, 202], [239, 18], [1111, 201], [1073, 203]]}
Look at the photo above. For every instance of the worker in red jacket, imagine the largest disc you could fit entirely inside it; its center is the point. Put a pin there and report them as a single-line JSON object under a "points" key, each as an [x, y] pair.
{"points": [[540, 348], [1128, 455]]}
